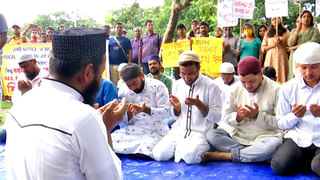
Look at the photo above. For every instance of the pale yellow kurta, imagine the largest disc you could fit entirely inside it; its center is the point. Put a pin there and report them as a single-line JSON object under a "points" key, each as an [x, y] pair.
{"points": [[251, 131], [277, 57]]}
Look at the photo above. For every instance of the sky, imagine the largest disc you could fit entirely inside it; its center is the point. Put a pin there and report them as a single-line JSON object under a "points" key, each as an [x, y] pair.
{"points": [[25, 11]]}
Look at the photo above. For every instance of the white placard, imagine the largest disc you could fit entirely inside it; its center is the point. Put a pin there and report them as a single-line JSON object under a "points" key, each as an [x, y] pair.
{"points": [[276, 8], [243, 9], [225, 17]]}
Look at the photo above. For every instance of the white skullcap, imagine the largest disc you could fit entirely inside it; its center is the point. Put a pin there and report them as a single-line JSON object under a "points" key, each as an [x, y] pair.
{"points": [[188, 56], [25, 57], [121, 66], [226, 68], [307, 53]]}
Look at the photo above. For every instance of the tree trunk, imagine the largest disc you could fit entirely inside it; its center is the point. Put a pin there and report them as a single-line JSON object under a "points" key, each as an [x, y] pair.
{"points": [[176, 7]]}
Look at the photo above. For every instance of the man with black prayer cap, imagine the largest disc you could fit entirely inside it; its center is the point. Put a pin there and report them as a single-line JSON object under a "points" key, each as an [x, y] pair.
{"points": [[251, 133], [148, 109], [65, 138]]}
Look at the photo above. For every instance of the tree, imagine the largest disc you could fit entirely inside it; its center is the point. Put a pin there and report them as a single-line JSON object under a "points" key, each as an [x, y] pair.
{"points": [[174, 17]]}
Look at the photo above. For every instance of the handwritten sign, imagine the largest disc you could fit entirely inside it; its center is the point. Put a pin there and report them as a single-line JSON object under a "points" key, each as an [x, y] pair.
{"points": [[210, 52], [10, 70], [243, 9], [276, 8], [172, 51], [225, 16]]}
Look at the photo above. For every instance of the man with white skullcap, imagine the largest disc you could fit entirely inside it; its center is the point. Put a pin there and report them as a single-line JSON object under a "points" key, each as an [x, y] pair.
{"points": [[196, 106], [227, 81], [31, 76], [299, 113], [250, 133], [53, 132]]}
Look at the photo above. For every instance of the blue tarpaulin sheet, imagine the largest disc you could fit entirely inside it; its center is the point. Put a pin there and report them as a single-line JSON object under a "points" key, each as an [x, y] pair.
{"points": [[139, 168]]}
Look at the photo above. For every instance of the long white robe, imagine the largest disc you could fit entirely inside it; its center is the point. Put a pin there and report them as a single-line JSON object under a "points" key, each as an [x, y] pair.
{"points": [[187, 139], [144, 131]]}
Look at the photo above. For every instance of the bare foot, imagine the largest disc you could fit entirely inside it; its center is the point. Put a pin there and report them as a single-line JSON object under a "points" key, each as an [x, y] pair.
{"points": [[215, 156]]}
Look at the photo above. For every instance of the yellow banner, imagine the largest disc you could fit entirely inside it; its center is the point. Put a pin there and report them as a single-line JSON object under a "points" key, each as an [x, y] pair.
{"points": [[10, 70], [171, 52], [210, 52]]}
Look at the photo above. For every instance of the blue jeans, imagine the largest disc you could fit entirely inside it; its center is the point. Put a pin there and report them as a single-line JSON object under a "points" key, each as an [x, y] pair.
{"points": [[145, 67]]}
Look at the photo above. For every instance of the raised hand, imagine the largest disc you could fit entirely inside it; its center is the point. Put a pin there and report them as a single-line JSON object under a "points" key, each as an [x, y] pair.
{"points": [[315, 110], [299, 110], [113, 112], [136, 109]]}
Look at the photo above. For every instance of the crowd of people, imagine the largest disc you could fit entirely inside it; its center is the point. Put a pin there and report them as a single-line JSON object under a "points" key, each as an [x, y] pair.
{"points": [[263, 108]]}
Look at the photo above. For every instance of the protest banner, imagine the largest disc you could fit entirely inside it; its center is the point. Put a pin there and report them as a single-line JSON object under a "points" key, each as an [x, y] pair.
{"points": [[243, 9], [276, 8], [10, 70], [171, 52], [225, 16], [210, 52]]}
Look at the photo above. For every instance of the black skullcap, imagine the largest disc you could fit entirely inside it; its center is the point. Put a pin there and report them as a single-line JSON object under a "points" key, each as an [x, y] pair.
{"points": [[79, 43], [130, 71]]}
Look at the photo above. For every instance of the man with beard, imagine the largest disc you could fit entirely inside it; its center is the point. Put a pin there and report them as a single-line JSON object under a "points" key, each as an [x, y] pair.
{"points": [[148, 109], [154, 67], [53, 130], [251, 133], [196, 106], [31, 76]]}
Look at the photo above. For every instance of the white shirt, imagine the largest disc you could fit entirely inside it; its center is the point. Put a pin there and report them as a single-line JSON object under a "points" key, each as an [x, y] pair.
{"points": [[226, 88], [156, 96], [52, 135], [250, 131], [35, 83], [208, 93], [306, 130]]}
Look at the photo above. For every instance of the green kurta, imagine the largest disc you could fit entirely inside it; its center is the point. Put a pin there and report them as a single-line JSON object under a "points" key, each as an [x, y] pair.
{"points": [[165, 79], [311, 35]]}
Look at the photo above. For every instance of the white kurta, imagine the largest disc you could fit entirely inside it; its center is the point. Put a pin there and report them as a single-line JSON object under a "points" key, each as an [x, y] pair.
{"points": [[187, 139], [251, 131], [226, 88], [35, 83], [52, 135], [144, 131]]}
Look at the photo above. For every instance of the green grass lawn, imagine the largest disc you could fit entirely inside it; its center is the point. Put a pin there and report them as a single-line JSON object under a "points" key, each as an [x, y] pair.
{"points": [[5, 106]]}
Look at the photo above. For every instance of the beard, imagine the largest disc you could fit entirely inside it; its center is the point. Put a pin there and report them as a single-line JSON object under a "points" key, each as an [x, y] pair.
{"points": [[90, 93], [31, 76], [155, 72], [141, 88]]}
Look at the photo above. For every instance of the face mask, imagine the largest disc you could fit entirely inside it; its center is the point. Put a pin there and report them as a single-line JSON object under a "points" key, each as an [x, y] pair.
{"points": [[248, 32]]}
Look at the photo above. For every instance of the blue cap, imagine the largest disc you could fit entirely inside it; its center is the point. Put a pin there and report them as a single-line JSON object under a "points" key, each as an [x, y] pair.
{"points": [[154, 57]]}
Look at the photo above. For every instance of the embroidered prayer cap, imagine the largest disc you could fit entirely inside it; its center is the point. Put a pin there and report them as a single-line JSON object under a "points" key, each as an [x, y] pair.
{"points": [[188, 56], [121, 66], [307, 53], [249, 65], [24, 58], [130, 71], [226, 68], [154, 57], [79, 43]]}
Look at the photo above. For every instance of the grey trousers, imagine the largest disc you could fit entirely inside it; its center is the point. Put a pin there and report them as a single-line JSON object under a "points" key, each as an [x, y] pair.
{"points": [[261, 151]]}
